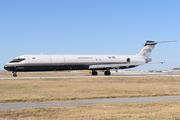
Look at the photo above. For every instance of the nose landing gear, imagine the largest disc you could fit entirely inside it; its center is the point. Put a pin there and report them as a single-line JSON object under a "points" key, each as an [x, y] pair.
{"points": [[14, 74]]}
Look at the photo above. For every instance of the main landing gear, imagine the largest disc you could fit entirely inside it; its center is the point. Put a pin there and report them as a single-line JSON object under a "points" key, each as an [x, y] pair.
{"points": [[107, 72], [94, 72], [14, 74]]}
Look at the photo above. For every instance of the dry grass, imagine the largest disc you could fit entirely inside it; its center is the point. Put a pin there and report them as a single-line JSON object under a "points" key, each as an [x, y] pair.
{"points": [[58, 73], [148, 111], [20, 74], [37, 90]]}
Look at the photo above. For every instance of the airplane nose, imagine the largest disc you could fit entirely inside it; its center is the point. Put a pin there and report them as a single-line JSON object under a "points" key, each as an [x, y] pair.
{"points": [[10, 68], [6, 67]]}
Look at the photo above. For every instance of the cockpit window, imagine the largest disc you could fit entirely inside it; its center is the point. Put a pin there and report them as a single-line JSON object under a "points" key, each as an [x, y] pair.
{"points": [[17, 60]]}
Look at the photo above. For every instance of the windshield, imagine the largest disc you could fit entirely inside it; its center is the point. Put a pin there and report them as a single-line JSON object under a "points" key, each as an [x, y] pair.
{"points": [[17, 60]]}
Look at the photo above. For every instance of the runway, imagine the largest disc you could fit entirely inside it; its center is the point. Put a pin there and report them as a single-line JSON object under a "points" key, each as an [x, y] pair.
{"points": [[75, 103], [90, 76]]}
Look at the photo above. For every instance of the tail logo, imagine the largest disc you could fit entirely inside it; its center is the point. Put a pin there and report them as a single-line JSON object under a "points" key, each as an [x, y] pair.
{"points": [[147, 50]]}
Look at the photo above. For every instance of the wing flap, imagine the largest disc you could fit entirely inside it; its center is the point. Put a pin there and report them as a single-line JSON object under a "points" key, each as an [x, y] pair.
{"points": [[112, 66], [101, 66]]}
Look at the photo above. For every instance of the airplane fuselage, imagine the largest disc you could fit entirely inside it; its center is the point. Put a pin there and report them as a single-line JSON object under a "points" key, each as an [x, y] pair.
{"points": [[71, 62]]}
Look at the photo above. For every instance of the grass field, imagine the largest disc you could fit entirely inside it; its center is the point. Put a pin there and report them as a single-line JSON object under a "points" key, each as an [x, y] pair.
{"points": [[148, 111], [38, 90], [58, 73], [20, 74]]}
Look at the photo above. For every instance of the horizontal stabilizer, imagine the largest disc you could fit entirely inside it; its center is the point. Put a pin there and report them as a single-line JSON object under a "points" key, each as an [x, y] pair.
{"points": [[156, 42], [148, 48]]}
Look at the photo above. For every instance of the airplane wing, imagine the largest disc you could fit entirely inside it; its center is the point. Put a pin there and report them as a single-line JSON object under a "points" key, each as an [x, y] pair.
{"points": [[112, 66], [118, 66]]}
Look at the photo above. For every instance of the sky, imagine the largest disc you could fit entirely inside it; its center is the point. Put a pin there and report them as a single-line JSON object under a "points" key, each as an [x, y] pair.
{"points": [[98, 27]]}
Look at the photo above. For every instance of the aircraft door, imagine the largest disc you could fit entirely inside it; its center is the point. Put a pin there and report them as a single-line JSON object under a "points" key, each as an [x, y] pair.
{"points": [[27, 59]]}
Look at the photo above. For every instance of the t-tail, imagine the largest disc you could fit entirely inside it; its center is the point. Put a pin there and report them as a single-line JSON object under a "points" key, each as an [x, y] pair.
{"points": [[148, 48]]}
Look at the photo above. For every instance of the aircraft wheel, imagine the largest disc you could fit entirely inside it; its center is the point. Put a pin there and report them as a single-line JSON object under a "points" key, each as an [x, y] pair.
{"points": [[14, 75], [94, 73], [107, 73]]}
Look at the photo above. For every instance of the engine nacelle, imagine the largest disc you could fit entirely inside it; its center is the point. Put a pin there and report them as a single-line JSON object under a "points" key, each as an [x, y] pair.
{"points": [[148, 60], [135, 60]]}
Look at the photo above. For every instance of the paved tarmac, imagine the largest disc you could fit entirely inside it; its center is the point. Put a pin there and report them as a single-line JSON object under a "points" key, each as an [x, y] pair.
{"points": [[75, 103], [90, 76]]}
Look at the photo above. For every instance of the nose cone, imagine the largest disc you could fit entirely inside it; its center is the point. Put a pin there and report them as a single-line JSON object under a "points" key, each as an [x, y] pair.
{"points": [[6, 67], [10, 67]]}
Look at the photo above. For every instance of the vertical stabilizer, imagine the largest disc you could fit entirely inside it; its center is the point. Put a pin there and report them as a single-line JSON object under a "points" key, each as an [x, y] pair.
{"points": [[148, 48]]}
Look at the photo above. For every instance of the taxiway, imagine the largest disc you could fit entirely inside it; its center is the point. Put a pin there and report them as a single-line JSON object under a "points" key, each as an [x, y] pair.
{"points": [[75, 103]]}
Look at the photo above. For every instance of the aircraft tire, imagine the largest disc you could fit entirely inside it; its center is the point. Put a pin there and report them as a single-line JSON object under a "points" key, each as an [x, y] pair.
{"points": [[14, 75], [107, 73], [94, 73]]}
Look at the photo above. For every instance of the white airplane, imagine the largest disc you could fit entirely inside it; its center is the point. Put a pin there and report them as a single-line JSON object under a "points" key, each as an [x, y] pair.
{"points": [[27, 63]]}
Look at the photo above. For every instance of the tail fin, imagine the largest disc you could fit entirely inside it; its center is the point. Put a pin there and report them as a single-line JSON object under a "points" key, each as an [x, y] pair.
{"points": [[148, 48]]}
